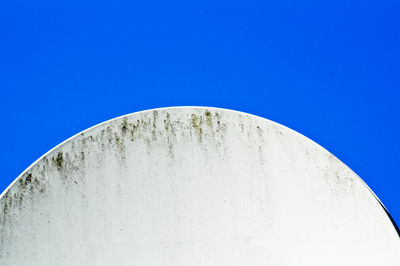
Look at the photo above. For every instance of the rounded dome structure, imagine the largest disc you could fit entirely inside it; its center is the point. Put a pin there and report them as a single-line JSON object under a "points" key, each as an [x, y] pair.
{"points": [[193, 186]]}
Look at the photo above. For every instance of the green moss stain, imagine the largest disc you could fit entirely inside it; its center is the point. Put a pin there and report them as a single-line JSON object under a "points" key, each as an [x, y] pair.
{"points": [[154, 125], [208, 116], [28, 179], [197, 122], [124, 126], [167, 123], [59, 161], [5, 208]]}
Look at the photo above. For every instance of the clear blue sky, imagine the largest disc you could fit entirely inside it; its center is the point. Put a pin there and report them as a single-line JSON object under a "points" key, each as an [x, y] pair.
{"points": [[327, 69]]}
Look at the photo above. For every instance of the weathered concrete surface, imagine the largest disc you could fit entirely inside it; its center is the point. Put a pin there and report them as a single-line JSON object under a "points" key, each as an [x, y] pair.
{"points": [[192, 186]]}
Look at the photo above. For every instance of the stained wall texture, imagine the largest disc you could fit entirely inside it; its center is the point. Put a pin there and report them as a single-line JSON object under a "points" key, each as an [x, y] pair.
{"points": [[192, 186]]}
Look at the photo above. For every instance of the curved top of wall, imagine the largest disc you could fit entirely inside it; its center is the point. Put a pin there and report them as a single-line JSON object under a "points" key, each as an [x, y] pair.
{"points": [[192, 186]]}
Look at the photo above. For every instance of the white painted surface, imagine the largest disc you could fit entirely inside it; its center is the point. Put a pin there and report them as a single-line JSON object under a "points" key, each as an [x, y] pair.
{"points": [[192, 186]]}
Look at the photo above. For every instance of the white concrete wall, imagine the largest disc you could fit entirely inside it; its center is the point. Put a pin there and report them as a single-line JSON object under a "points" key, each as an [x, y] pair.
{"points": [[192, 186]]}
